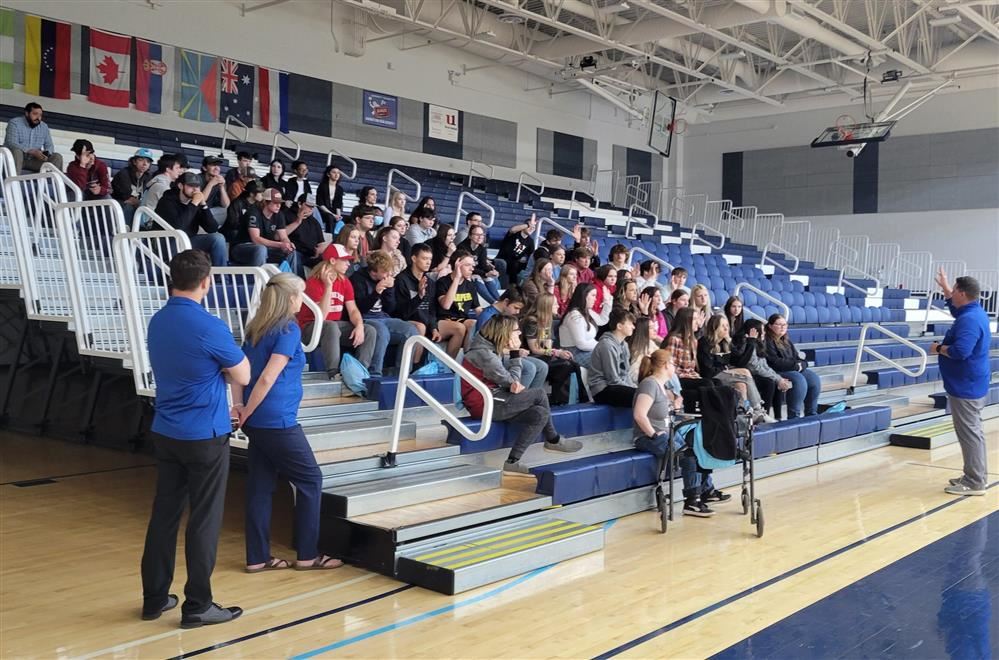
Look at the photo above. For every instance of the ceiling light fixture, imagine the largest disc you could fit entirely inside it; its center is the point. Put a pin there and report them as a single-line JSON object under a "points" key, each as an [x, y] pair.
{"points": [[946, 20], [511, 19], [728, 57]]}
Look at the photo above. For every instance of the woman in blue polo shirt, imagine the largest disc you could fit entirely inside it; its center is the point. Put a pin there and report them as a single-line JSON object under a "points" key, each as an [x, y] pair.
{"points": [[277, 443]]}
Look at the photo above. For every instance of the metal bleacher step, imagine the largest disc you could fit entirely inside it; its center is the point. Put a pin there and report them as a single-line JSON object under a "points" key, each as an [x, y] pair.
{"points": [[931, 434], [333, 407], [502, 550], [379, 489], [354, 431]]}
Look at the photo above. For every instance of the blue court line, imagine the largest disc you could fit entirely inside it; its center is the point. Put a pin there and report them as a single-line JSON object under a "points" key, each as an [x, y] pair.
{"points": [[432, 613], [774, 580]]}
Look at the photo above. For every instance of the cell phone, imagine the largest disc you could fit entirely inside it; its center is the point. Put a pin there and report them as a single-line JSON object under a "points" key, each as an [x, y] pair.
{"points": [[235, 423]]}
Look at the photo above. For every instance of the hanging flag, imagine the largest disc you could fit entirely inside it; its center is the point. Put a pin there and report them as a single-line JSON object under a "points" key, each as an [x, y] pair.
{"points": [[7, 48], [236, 84], [310, 105], [47, 46], [199, 94], [110, 56], [154, 75], [272, 106]]}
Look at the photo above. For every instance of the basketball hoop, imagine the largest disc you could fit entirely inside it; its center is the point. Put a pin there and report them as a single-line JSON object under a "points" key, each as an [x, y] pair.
{"points": [[677, 126], [843, 124]]}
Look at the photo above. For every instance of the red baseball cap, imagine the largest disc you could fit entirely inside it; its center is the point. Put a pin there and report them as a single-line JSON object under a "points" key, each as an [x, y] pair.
{"points": [[337, 251]]}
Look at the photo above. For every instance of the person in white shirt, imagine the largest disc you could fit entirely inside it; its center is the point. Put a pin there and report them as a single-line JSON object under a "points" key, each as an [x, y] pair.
{"points": [[578, 330]]}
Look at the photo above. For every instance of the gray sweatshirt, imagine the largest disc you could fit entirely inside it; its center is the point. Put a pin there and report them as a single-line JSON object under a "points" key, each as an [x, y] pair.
{"points": [[482, 354], [610, 364]]}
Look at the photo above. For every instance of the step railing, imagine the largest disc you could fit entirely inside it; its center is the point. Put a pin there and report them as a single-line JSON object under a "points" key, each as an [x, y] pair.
{"points": [[576, 192], [822, 238], [571, 233], [10, 277], [276, 149], [915, 271], [767, 259], [844, 281], [762, 294], [863, 349], [687, 210], [389, 188], [746, 215], [715, 212], [667, 266], [229, 132], [954, 268], [882, 258], [235, 294], [633, 191], [794, 237], [480, 169], [407, 384], [643, 222], [317, 328], [146, 216], [353, 163], [85, 231], [705, 229], [143, 265], [459, 213], [523, 186], [988, 280], [30, 200]]}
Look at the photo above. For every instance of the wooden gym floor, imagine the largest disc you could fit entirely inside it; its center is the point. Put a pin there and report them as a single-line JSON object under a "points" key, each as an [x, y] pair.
{"points": [[69, 560]]}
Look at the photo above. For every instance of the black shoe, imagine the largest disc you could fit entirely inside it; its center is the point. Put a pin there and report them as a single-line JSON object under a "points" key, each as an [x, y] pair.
{"points": [[697, 509], [715, 496], [152, 615], [213, 615]]}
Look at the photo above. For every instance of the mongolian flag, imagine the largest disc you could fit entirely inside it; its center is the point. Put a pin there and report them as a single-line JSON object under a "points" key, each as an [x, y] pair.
{"points": [[47, 48], [110, 56], [236, 83], [154, 75], [199, 86]]}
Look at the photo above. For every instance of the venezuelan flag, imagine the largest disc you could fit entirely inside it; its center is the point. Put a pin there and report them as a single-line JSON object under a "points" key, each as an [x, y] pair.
{"points": [[47, 49]]}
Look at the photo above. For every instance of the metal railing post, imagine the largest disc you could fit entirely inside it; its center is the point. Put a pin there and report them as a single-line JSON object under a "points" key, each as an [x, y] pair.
{"points": [[228, 132], [353, 163], [763, 294], [389, 187], [521, 185], [662, 262], [862, 349], [632, 220], [275, 149], [458, 212], [473, 170]]}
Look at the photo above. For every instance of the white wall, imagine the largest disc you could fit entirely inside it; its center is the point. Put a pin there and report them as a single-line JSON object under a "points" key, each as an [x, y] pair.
{"points": [[296, 37]]}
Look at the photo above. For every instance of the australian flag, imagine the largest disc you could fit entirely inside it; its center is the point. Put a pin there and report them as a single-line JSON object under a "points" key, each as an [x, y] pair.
{"points": [[236, 83]]}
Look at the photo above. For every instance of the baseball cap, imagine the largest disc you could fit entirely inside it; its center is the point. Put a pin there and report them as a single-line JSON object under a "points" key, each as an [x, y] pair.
{"points": [[270, 192], [211, 160], [308, 200], [189, 179], [144, 153], [254, 186], [336, 251]]}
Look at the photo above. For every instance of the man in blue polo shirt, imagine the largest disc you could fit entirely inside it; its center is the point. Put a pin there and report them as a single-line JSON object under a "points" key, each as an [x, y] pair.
{"points": [[965, 370], [192, 354]]}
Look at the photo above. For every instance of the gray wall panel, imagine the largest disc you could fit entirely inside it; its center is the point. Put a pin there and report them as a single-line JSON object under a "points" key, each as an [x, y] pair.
{"points": [[490, 140], [546, 151], [589, 157]]}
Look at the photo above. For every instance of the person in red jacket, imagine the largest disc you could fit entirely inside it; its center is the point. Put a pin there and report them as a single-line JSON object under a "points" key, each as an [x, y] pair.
{"points": [[89, 172]]}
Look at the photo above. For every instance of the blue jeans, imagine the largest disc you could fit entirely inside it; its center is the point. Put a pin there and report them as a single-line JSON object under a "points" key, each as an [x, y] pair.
{"points": [[284, 451], [696, 482], [582, 358], [214, 245], [390, 331], [533, 372], [251, 254], [488, 290], [806, 387]]}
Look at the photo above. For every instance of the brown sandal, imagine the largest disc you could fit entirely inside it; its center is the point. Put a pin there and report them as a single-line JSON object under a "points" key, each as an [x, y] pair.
{"points": [[273, 564], [320, 563]]}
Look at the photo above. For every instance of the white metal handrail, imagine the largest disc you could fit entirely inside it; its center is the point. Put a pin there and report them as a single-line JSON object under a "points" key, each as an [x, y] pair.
{"points": [[766, 227], [763, 294], [742, 232], [767, 259], [142, 260], [576, 191], [353, 163], [389, 187], [882, 258], [918, 263], [644, 222], [229, 132], [75, 194], [694, 237], [459, 212], [533, 179], [715, 211], [687, 210], [235, 296], [145, 215], [10, 278], [407, 384], [860, 244], [85, 231], [317, 328], [821, 238], [473, 170], [275, 149], [654, 257], [988, 281], [548, 221], [794, 236], [844, 281], [633, 192], [862, 350]]}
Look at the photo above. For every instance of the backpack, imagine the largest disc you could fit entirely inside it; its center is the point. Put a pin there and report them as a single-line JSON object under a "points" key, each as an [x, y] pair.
{"points": [[718, 420], [354, 374]]}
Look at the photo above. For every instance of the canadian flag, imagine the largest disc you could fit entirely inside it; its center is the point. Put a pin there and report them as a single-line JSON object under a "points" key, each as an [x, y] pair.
{"points": [[110, 61]]}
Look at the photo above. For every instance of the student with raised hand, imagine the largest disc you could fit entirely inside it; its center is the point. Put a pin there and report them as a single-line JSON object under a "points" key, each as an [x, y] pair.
{"points": [[375, 296], [750, 352], [578, 330], [783, 357], [678, 280], [416, 304], [517, 247], [650, 304], [700, 302], [494, 359], [457, 299], [610, 365], [605, 284], [267, 410]]}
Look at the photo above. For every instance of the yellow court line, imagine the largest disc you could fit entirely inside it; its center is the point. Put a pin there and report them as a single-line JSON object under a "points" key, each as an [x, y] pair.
{"points": [[447, 551], [510, 551], [508, 542]]}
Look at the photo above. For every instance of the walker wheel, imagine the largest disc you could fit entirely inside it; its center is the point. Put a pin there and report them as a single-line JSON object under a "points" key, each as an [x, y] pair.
{"points": [[661, 507], [745, 502], [759, 519]]}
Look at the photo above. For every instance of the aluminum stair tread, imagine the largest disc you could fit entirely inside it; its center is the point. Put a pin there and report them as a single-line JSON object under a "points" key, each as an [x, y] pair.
{"points": [[384, 480], [495, 499]]}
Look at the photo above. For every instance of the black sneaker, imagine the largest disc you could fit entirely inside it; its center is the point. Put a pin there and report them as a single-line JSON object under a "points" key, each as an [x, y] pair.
{"points": [[152, 615], [715, 496], [213, 615], [697, 509]]}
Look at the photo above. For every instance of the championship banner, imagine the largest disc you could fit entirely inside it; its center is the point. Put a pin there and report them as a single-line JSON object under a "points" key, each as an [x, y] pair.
{"points": [[380, 110], [443, 123]]}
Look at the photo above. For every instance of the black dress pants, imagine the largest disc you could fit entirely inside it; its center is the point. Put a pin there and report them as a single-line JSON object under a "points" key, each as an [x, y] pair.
{"points": [[619, 396], [187, 471]]}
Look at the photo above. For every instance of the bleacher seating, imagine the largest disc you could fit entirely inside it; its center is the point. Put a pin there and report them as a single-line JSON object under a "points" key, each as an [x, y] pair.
{"points": [[888, 377], [832, 355], [940, 398]]}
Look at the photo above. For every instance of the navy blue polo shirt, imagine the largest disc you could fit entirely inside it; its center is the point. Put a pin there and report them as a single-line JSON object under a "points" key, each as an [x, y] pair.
{"points": [[188, 348], [279, 409]]}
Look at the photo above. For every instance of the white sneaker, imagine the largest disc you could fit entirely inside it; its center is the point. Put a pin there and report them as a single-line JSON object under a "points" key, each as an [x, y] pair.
{"points": [[961, 489]]}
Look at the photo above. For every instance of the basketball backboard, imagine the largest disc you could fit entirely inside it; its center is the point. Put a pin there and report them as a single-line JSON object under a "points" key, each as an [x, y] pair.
{"points": [[663, 123], [836, 136]]}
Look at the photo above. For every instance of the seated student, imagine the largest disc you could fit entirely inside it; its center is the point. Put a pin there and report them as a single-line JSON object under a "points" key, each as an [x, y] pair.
{"points": [[417, 305], [472, 219], [401, 225], [368, 197], [715, 361], [566, 285], [538, 327], [486, 273], [681, 342], [275, 175], [783, 358], [421, 226], [329, 286], [387, 241], [307, 233], [625, 275], [128, 184], [581, 257], [648, 275], [541, 280], [30, 141], [253, 194], [299, 183], [553, 240], [426, 203], [678, 300], [267, 411], [457, 299], [750, 352], [618, 257], [606, 284], [677, 280], [584, 240], [534, 372], [642, 343], [262, 237], [396, 204], [168, 169], [442, 244], [375, 296], [184, 208], [610, 380], [733, 312], [517, 247], [700, 302], [213, 185], [649, 304], [653, 401], [494, 359], [626, 297], [329, 198], [88, 172], [237, 177], [558, 259], [363, 217], [578, 330]]}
